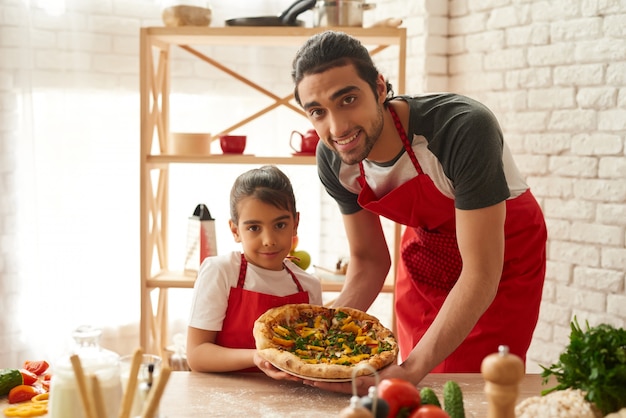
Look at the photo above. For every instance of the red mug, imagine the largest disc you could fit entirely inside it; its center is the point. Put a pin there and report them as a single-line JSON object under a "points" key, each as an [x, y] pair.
{"points": [[308, 142], [233, 144]]}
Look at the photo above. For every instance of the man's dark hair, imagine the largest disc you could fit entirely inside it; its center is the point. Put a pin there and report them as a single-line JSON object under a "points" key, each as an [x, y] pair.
{"points": [[332, 49]]}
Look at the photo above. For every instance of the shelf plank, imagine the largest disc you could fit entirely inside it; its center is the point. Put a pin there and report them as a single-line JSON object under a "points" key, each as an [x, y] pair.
{"points": [[168, 279], [185, 280], [266, 35], [229, 159]]}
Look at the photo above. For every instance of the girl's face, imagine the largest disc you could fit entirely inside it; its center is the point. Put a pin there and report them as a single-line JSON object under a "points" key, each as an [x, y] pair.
{"points": [[265, 233]]}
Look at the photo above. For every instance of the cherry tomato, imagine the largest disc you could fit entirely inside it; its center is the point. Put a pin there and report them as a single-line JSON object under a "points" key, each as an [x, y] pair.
{"points": [[22, 393], [28, 377], [37, 367], [429, 411], [401, 396]]}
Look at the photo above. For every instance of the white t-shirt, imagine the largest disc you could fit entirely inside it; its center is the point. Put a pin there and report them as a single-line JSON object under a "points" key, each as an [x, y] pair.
{"points": [[217, 275]]}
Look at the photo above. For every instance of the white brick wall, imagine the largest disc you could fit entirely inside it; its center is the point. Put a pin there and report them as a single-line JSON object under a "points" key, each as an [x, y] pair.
{"points": [[564, 67], [554, 72]]}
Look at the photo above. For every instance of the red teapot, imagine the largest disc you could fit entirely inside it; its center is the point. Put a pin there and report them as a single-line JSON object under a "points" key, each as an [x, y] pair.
{"points": [[308, 142]]}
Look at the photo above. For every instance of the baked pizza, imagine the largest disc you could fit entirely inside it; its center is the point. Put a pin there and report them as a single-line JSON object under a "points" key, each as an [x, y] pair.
{"points": [[323, 343]]}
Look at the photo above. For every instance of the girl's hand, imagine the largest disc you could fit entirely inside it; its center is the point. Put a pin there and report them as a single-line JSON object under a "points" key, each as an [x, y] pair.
{"points": [[267, 368]]}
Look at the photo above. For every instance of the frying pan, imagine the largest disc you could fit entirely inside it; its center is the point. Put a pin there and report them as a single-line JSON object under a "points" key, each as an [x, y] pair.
{"points": [[286, 18]]}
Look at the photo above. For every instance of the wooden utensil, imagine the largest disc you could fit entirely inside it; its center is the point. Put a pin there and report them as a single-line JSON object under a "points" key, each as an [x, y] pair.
{"points": [[131, 386], [96, 395], [154, 396], [82, 386]]}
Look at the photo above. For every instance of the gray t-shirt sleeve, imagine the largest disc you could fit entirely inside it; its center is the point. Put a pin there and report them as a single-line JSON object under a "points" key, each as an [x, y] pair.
{"points": [[328, 166]]}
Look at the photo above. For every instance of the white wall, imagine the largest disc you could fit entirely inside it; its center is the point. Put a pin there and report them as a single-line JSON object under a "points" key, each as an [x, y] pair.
{"points": [[554, 72]]}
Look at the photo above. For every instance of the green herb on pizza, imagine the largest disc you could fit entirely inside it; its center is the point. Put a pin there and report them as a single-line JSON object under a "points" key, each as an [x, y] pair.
{"points": [[594, 362]]}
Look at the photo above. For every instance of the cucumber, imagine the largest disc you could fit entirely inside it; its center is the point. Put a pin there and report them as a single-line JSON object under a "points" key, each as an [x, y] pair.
{"points": [[429, 397], [9, 378], [453, 400]]}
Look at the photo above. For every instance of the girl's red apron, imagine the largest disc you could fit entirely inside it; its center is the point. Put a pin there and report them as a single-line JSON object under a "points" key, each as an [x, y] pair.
{"points": [[245, 306], [431, 264]]}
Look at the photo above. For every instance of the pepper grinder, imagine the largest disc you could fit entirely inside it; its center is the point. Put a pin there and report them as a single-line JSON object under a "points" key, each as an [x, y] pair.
{"points": [[503, 372]]}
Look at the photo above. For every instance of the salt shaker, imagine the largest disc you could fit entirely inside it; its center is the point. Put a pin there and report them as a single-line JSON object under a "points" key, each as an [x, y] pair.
{"points": [[503, 372], [95, 360]]}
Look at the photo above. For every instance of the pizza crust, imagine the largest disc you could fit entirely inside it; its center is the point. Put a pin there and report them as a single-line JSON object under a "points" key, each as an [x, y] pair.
{"points": [[296, 313]]}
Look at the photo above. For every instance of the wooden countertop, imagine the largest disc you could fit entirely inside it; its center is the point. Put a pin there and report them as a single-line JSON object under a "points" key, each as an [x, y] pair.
{"points": [[256, 395], [190, 394]]}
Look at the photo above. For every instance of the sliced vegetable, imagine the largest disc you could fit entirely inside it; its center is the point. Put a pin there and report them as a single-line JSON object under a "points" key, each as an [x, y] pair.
{"points": [[22, 393], [26, 410], [9, 378], [28, 377], [37, 367]]}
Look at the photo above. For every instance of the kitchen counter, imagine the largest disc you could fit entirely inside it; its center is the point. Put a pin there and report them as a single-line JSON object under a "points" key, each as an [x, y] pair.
{"points": [[189, 394], [256, 395]]}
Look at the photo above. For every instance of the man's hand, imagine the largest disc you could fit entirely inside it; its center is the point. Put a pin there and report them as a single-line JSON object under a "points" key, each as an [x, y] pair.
{"points": [[362, 383]]}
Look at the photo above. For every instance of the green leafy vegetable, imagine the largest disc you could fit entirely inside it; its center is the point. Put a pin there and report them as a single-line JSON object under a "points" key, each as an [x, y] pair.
{"points": [[594, 362]]}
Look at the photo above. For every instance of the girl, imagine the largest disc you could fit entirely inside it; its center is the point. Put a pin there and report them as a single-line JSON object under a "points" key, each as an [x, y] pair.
{"points": [[233, 290]]}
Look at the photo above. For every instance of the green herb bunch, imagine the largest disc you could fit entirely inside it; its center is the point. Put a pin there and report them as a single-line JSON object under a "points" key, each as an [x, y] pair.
{"points": [[594, 362]]}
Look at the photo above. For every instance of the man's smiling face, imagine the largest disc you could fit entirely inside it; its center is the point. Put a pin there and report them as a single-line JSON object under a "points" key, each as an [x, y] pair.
{"points": [[344, 111]]}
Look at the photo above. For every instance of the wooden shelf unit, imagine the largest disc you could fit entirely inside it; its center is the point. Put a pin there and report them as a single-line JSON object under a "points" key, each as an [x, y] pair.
{"points": [[155, 60]]}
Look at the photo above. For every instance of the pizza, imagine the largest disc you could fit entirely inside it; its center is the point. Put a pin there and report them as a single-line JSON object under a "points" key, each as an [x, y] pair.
{"points": [[323, 343]]}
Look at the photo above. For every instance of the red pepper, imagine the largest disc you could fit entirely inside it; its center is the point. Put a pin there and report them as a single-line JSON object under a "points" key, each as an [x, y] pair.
{"points": [[28, 377], [37, 367], [22, 393]]}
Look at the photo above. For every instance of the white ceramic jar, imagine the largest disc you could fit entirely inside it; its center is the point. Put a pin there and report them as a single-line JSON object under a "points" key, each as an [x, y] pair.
{"points": [[65, 401]]}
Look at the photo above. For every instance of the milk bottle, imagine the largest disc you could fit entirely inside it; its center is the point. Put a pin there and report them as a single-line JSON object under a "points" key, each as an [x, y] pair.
{"points": [[65, 401]]}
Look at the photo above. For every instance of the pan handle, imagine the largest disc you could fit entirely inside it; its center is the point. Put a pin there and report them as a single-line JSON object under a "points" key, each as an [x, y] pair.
{"points": [[288, 17]]}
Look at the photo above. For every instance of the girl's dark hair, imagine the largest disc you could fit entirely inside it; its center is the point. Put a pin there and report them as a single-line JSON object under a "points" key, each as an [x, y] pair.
{"points": [[267, 184], [332, 49]]}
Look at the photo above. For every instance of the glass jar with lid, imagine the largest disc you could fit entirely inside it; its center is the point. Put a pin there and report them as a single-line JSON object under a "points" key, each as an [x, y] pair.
{"points": [[65, 401]]}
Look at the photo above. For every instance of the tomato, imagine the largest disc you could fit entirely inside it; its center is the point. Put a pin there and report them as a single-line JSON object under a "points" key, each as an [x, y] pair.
{"points": [[37, 367], [401, 395], [22, 393], [429, 411], [45, 384], [28, 377]]}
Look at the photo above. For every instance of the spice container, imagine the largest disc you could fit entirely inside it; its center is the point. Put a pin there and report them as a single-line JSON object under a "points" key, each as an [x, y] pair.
{"points": [[95, 360]]}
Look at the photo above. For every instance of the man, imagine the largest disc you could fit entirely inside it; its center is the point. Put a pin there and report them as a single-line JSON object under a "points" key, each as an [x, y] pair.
{"points": [[473, 252]]}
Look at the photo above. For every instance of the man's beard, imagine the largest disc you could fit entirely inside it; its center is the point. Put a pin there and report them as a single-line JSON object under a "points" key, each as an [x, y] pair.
{"points": [[360, 153]]}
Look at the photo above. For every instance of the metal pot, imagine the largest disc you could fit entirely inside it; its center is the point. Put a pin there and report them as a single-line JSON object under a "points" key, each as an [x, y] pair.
{"points": [[340, 12]]}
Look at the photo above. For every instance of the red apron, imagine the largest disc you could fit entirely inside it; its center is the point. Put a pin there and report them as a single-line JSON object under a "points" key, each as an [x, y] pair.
{"points": [[245, 306], [431, 264]]}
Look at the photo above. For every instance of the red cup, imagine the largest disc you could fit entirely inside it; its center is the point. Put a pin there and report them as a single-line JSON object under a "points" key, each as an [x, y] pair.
{"points": [[308, 142], [233, 144]]}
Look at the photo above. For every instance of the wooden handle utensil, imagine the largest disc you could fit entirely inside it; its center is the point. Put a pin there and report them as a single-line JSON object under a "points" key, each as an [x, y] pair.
{"points": [[82, 386], [131, 386], [154, 396]]}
